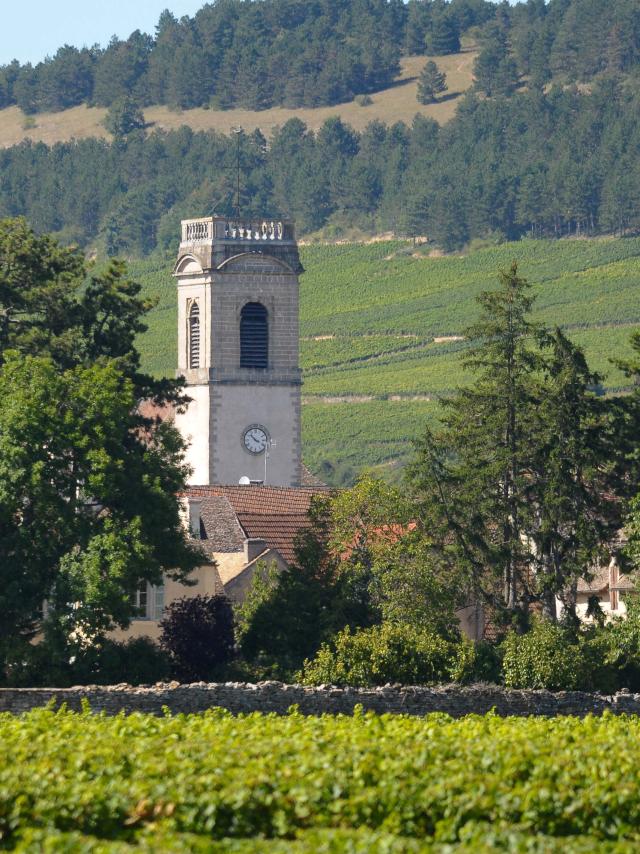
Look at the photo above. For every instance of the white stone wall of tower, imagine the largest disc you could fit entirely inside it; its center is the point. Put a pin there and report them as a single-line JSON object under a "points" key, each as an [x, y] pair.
{"points": [[226, 398]]}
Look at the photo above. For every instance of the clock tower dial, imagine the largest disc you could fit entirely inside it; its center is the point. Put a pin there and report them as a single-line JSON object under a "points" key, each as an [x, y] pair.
{"points": [[255, 439]]}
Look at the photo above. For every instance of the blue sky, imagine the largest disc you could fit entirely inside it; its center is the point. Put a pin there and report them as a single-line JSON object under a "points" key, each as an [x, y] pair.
{"points": [[30, 30]]}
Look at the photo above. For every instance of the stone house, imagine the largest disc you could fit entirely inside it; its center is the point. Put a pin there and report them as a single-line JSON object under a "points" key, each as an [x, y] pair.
{"points": [[238, 529]]}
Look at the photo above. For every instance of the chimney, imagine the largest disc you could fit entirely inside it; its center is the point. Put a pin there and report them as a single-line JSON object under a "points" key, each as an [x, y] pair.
{"points": [[191, 515], [253, 547]]}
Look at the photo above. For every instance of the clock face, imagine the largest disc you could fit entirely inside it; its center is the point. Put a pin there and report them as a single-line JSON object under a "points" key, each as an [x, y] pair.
{"points": [[255, 439]]}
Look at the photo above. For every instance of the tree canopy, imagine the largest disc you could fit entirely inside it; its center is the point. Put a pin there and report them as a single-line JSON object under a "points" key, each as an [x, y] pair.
{"points": [[295, 53], [88, 486], [519, 487], [534, 164]]}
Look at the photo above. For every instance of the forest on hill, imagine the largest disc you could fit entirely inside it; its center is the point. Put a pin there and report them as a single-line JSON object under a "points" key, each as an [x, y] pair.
{"points": [[544, 145], [535, 164], [301, 53]]}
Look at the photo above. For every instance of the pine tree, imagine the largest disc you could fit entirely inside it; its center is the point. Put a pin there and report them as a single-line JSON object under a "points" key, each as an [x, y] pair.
{"points": [[515, 487], [431, 83], [444, 37], [471, 475], [123, 117], [572, 478], [495, 70]]}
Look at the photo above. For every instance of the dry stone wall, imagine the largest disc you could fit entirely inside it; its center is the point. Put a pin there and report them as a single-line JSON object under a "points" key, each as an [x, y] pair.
{"points": [[278, 698]]}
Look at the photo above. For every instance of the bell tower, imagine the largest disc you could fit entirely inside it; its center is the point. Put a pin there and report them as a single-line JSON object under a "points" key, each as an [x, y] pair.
{"points": [[238, 350]]}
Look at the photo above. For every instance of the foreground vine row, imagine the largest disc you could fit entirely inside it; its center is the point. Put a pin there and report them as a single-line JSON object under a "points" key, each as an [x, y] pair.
{"points": [[216, 782]]}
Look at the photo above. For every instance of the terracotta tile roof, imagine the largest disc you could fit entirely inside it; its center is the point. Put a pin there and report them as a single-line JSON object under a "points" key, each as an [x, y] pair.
{"points": [[275, 514], [263, 500], [279, 532]]}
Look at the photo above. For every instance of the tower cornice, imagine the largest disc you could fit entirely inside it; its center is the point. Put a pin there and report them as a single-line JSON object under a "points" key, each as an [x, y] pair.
{"points": [[209, 243]]}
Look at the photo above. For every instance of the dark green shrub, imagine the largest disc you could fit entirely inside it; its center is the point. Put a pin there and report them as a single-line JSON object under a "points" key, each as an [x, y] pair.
{"points": [[477, 661], [391, 652], [598, 671], [198, 636], [138, 661], [620, 641]]}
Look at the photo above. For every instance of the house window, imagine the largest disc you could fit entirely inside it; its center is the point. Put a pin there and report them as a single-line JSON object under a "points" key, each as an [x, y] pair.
{"points": [[194, 336], [254, 336], [148, 601]]}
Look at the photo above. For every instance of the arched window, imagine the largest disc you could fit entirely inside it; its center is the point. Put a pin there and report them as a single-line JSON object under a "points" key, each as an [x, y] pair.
{"points": [[194, 336], [254, 336]]}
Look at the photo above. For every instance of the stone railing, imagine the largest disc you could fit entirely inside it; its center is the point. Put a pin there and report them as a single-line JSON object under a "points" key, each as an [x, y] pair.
{"points": [[260, 230], [219, 228], [454, 700], [197, 230]]}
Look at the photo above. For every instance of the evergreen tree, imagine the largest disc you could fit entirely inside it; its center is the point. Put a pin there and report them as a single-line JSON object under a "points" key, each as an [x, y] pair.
{"points": [[431, 83], [124, 116], [573, 477], [167, 42], [515, 488], [65, 80], [25, 90], [120, 69], [444, 37], [471, 476], [418, 24], [8, 76], [495, 70]]}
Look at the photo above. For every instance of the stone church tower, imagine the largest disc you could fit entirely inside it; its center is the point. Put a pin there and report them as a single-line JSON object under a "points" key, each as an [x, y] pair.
{"points": [[238, 350]]}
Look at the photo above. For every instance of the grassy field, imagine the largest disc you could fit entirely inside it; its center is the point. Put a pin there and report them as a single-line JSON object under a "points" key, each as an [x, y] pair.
{"points": [[396, 104], [379, 324], [258, 783]]}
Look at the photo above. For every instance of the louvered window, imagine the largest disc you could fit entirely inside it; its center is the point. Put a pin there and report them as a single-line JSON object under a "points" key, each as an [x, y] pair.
{"points": [[254, 336], [148, 601], [194, 336]]}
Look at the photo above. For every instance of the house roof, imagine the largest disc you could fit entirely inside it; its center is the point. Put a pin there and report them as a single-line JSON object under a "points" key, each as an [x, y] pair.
{"points": [[597, 584], [261, 500], [279, 532], [603, 581], [231, 514], [220, 529]]}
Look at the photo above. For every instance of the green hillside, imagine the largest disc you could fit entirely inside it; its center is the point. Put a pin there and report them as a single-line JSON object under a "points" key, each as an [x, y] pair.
{"points": [[370, 314]]}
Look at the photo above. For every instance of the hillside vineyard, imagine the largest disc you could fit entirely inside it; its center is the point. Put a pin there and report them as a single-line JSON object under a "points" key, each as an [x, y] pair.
{"points": [[380, 326]]}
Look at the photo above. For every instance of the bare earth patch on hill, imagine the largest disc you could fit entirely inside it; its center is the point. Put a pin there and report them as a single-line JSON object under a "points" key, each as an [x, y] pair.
{"points": [[396, 104]]}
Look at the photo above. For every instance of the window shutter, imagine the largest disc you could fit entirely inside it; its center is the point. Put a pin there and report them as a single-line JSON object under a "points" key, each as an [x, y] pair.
{"points": [[194, 336], [254, 336]]}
